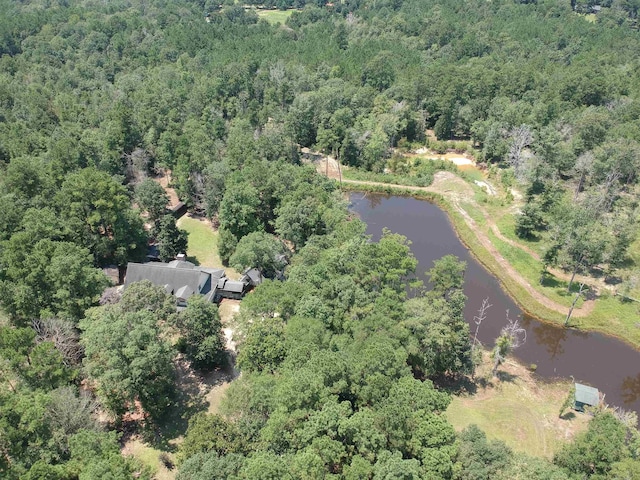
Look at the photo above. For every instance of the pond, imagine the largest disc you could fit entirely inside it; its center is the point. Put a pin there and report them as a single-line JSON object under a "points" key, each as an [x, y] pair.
{"points": [[598, 360]]}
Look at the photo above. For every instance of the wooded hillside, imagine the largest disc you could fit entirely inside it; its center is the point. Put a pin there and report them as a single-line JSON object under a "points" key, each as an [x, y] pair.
{"points": [[343, 376]]}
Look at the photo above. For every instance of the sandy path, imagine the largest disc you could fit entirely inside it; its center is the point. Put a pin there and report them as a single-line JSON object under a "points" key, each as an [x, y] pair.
{"points": [[439, 185]]}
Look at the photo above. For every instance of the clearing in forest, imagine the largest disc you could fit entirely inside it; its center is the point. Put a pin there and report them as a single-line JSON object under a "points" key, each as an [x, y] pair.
{"points": [[202, 248], [275, 16], [518, 409]]}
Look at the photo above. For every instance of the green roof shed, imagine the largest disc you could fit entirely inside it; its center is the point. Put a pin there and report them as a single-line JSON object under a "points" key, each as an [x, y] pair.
{"points": [[586, 395]]}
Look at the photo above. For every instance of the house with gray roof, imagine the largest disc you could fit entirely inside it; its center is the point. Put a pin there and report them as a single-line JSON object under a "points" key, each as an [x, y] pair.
{"points": [[178, 278], [182, 279]]}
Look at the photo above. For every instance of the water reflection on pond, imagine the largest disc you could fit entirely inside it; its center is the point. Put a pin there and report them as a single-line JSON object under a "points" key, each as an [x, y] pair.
{"points": [[601, 361]]}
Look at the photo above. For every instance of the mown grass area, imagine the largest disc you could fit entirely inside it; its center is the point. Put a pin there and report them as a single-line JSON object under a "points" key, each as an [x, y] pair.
{"points": [[203, 244], [474, 213], [614, 316], [275, 16], [518, 409], [530, 268]]}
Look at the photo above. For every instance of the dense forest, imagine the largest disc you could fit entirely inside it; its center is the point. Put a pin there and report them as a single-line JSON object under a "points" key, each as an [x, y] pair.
{"points": [[341, 373]]}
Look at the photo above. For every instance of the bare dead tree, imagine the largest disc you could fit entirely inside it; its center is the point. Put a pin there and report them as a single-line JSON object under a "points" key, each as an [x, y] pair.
{"points": [[63, 335], [575, 300], [71, 413], [610, 189], [199, 192], [521, 138], [110, 296], [512, 336], [478, 319], [584, 166], [137, 165], [628, 418]]}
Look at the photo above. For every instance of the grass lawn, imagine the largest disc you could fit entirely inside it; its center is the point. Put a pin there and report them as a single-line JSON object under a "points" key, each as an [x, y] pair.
{"points": [[203, 244], [615, 317], [518, 410], [473, 212], [275, 16]]}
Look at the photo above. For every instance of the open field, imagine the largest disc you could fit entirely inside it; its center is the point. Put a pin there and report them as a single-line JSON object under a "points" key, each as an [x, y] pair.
{"points": [[203, 244], [518, 409], [275, 16]]}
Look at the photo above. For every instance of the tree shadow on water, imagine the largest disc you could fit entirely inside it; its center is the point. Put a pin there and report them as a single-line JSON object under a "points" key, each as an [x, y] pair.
{"points": [[631, 389]]}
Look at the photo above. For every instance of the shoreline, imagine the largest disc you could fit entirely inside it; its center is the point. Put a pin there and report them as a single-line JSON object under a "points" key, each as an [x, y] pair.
{"points": [[530, 306]]}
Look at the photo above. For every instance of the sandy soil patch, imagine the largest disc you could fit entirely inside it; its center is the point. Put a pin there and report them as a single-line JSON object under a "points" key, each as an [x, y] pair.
{"points": [[164, 182], [487, 186]]}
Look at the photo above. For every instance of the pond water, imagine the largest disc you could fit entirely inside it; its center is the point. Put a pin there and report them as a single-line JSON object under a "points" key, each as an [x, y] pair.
{"points": [[595, 359]]}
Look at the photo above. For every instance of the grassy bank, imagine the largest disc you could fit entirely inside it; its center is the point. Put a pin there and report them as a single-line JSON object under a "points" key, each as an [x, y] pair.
{"points": [[610, 315]]}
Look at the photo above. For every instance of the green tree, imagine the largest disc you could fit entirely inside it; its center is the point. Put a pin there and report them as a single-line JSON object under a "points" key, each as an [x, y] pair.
{"points": [[263, 349], [201, 333], [97, 454], [262, 251], [447, 275], [209, 433], [48, 278], [128, 358], [97, 213], [152, 198], [211, 466], [227, 243], [379, 72], [481, 458], [239, 210], [439, 342], [39, 365], [171, 240], [594, 452]]}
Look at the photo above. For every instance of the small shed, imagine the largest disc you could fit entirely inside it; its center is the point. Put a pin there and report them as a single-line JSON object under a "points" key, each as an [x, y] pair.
{"points": [[586, 395], [178, 210]]}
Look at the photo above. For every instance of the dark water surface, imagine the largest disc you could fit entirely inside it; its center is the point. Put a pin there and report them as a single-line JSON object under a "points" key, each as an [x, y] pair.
{"points": [[603, 362]]}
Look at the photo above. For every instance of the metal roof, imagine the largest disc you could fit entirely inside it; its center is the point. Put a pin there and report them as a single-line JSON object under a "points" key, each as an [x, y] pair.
{"points": [[587, 395], [183, 279]]}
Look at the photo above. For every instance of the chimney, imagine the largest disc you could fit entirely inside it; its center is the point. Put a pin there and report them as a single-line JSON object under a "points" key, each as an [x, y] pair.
{"points": [[181, 257]]}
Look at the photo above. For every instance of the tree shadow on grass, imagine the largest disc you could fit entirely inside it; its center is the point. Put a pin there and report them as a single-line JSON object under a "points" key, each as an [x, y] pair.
{"points": [[552, 282], [189, 399], [568, 416], [506, 376], [192, 388], [193, 260], [458, 384]]}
